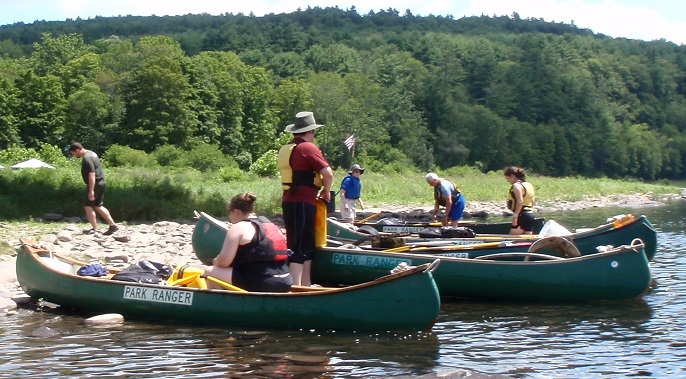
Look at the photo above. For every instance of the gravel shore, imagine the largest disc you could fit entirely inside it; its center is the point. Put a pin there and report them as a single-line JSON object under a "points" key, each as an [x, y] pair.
{"points": [[170, 241]]}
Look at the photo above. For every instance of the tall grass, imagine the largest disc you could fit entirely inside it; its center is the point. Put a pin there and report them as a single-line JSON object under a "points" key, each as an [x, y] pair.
{"points": [[160, 194], [411, 189]]}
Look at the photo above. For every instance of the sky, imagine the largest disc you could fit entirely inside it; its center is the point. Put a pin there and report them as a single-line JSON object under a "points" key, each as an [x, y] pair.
{"points": [[635, 19]]}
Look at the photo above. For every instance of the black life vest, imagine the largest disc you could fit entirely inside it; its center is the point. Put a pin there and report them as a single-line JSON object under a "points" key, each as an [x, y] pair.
{"points": [[268, 244]]}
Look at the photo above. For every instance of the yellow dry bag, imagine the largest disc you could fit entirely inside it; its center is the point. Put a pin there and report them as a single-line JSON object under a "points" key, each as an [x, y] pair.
{"points": [[320, 224]]}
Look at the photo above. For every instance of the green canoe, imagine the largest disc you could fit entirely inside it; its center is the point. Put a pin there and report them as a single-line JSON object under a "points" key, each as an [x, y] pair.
{"points": [[407, 300], [586, 241], [621, 273], [477, 227], [209, 233]]}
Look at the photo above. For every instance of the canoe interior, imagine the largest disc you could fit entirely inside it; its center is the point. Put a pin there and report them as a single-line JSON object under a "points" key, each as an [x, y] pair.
{"points": [[50, 276]]}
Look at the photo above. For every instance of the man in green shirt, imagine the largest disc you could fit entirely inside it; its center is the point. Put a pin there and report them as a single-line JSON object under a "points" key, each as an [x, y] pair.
{"points": [[94, 177]]}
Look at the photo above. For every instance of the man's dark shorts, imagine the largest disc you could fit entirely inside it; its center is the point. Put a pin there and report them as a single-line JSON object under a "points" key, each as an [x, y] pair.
{"points": [[99, 191], [299, 220]]}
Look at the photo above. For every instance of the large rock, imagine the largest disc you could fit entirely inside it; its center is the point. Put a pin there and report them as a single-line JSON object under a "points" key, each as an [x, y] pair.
{"points": [[7, 305], [104, 319]]}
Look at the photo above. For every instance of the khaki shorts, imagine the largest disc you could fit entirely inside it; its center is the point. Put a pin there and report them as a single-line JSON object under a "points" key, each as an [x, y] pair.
{"points": [[350, 213]]}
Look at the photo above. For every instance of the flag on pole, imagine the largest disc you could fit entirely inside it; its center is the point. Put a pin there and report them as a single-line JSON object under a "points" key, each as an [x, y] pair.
{"points": [[350, 141]]}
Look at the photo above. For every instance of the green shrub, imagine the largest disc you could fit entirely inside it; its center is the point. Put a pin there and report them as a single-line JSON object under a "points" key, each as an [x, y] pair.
{"points": [[52, 155], [229, 174], [47, 153], [205, 157], [60, 191], [244, 160], [266, 165], [394, 162], [169, 155], [124, 156], [17, 154]]}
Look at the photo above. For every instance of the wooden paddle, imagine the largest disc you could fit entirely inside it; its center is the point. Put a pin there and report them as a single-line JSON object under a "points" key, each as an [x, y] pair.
{"points": [[369, 218]]}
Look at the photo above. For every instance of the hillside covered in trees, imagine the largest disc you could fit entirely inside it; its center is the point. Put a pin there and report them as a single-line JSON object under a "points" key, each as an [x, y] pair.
{"points": [[416, 91]]}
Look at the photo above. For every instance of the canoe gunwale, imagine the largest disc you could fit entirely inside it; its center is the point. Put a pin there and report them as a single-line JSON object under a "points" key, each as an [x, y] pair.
{"points": [[636, 248], [35, 250], [318, 308], [618, 274]]}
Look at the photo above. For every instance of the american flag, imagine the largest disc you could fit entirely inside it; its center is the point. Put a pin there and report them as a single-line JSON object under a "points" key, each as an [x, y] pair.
{"points": [[350, 141]]}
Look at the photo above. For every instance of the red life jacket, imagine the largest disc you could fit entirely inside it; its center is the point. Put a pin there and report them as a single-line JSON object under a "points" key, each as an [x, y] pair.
{"points": [[268, 245]]}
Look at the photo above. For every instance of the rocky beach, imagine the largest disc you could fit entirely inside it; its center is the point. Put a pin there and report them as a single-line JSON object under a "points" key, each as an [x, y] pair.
{"points": [[170, 241]]}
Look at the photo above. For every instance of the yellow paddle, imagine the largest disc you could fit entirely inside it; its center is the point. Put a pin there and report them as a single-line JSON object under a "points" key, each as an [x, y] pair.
{"points": [[184, 281], [459, 247], [443, 248], [190, 274], [224, 284], [369, 218]]}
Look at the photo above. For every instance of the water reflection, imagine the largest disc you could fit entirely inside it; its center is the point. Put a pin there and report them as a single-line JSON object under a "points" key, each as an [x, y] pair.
{"points": [[631, 313], [629, 339], [138, 349]]}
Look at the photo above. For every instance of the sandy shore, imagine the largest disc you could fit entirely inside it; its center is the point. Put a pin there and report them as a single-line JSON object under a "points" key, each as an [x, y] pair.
{"points": [[170, 241]]}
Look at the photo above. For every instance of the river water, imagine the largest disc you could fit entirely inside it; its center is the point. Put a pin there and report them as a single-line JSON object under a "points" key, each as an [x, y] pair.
{"points": [[639, 339]]}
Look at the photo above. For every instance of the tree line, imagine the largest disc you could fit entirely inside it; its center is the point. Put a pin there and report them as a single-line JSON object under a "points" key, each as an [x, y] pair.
{"points": [[417, 92]]}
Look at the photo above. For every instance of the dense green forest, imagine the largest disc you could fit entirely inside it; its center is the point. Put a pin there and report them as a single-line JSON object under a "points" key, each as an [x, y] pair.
{"points": [[417, 92]]}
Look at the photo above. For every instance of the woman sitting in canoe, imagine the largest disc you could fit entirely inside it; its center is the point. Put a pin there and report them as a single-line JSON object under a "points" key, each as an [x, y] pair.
{"points": [[520, 201], [254, 256]]}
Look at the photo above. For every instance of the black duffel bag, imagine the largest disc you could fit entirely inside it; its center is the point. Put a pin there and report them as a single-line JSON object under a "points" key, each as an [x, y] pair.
{"points": [[457, 232], [430, 233], [145, 271]]}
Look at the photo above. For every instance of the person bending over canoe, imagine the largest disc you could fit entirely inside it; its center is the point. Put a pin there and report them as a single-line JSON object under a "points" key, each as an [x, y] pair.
{"points": [[520, 201], [254, 256], [448, 195]]}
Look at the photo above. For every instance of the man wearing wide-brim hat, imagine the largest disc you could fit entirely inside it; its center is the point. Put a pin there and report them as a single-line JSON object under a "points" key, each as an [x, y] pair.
{"points": [[305, 175], [351, 190]]}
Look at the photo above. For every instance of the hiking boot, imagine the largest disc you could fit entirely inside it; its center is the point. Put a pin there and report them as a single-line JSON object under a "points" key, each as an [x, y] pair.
{"points": [[89, 231], [111, 230]]}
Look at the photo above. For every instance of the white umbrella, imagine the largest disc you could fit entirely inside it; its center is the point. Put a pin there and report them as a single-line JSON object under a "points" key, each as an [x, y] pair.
{"points": [[32, 163]]}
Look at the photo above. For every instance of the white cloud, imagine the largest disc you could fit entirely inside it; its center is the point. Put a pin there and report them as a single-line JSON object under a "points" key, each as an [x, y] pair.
{"points": [[607, 17]]}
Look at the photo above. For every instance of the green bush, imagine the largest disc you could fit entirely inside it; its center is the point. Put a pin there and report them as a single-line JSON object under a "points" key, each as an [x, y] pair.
{"points": [[124, 156], [205, 157], [229, 174], [52, 155], [244, 160], [47, 153], [169, 155], [60, 191], [266, 165], [394, 162], [17, 154]]}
